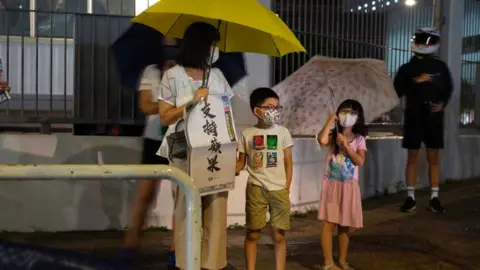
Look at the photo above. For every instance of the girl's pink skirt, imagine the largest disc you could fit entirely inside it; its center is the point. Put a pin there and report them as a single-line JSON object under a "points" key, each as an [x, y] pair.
{"points": [[341, 203]]}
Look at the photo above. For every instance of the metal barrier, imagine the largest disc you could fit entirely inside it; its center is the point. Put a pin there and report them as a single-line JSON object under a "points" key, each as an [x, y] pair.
{"points": [[122, 172]]}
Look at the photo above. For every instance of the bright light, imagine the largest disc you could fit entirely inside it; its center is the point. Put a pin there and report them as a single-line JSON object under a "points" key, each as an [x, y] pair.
{"points": [[374, 8], [359, 7], [373, 3], [142, 5], [410, 2], [366, 5], [351, 10], [388, 4]]}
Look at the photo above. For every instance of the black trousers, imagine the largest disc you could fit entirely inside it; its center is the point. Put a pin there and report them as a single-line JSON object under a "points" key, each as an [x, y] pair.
{"points": [[149, 153]]}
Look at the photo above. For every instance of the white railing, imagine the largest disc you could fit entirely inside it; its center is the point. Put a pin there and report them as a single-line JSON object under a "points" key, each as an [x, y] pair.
{"points": [[123, 172]]}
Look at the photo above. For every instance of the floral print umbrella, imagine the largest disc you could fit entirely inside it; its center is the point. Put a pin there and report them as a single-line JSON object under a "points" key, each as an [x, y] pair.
{"points": [[318, 87]]}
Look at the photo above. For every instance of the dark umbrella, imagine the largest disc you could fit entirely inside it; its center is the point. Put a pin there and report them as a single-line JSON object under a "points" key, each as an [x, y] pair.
{"points": [[141, 46]]}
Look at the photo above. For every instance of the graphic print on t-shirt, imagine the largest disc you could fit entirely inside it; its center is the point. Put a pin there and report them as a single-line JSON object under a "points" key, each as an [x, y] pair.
{"points": [[341, 168], [258, 142], [272, 142], [272, 159], [258, 160]]}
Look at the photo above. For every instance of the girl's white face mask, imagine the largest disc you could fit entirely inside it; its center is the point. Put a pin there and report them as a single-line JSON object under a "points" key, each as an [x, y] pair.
{"points": [[346, 119], [214, 54]]}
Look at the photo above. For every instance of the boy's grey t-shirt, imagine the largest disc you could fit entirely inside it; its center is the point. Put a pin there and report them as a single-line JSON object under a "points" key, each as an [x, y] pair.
{"points": [[265, 157]]}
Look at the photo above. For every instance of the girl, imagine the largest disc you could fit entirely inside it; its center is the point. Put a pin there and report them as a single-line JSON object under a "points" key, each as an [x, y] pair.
{"points": [[340, 202], [147, 190]]}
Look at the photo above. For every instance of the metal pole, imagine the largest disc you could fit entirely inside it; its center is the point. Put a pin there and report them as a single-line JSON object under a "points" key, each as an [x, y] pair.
{"points": [[123, 172], [437, 14]]}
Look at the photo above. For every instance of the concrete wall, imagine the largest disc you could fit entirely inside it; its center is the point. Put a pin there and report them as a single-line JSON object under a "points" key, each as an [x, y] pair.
{"points": [[98, 205]]}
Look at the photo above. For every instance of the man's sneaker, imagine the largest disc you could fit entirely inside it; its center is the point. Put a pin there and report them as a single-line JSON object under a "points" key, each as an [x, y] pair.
{"points": [[436, 206], [409, 205]]}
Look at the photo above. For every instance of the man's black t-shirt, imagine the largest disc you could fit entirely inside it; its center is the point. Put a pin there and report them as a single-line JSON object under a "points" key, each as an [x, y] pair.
{"points": [[438, 90], [421, 124]]}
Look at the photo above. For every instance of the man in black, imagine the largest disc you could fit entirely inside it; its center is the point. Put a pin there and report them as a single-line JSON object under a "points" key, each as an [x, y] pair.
{"points": [[426, 83]]}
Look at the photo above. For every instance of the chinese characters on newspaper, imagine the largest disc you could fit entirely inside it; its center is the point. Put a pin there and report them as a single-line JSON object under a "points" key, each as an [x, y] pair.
{"points": [[212, 139]]}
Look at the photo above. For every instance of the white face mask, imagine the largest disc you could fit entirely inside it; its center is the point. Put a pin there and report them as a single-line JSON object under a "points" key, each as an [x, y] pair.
{"points": [[271, 116], [347, 119], [214, 54]]}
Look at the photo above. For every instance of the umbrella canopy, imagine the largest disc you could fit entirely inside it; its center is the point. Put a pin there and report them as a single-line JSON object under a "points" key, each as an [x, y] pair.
{"points": [[141, 46], [244, 25], [318, 87]]}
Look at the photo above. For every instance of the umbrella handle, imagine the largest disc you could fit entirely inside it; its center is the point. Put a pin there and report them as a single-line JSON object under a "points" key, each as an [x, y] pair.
{"points": [[332, 97]]}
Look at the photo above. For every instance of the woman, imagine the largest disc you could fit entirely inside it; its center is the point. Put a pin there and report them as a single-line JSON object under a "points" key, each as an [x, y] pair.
{"points": [[149, 89], [181, 85]]}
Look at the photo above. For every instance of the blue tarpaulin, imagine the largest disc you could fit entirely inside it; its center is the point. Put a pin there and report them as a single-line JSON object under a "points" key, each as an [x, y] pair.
{"points": [[15, 256]]}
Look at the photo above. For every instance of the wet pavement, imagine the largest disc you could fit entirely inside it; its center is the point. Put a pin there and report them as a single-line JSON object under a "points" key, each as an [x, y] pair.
{"points": [[390, 240]]}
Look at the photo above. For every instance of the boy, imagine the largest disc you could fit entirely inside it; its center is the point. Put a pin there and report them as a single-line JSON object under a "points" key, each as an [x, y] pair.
{"points": [[268, 149]]}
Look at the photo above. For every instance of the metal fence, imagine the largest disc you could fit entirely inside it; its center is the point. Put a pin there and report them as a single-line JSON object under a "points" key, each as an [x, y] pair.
{"points": [[468, 96], [375, 29], [57, 62], [55, 53], [470, 75], [353, 29]]}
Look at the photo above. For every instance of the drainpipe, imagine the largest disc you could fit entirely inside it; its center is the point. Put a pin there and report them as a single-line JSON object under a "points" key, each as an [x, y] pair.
{"points": [[437, 14]]}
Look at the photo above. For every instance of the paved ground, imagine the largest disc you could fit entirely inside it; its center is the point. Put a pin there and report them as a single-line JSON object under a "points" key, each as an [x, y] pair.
{"points": [[390, 240]]}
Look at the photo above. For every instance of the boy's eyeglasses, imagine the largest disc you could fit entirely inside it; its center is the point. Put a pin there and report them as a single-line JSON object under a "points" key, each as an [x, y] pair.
{"points": [[278, 108]]}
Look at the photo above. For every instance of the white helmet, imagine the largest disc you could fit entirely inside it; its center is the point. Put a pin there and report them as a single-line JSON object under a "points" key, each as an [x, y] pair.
{"points": [[426, 40]]}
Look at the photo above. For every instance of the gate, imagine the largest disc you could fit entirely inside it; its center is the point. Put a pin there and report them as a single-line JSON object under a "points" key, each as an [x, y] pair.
{"points": [[378, 29]]}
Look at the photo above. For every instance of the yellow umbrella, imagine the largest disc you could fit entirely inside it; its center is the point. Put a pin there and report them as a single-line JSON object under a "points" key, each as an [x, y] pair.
{"points": [[244, 25]]}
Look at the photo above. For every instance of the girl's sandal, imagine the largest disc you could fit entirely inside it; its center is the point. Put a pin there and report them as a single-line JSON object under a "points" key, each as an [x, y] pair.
{"points": [[345, 266], [330, 267]]}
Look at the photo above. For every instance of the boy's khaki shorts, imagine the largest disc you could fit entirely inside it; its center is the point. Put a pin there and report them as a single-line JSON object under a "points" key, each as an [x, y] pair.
{"points": [[258, 200]]}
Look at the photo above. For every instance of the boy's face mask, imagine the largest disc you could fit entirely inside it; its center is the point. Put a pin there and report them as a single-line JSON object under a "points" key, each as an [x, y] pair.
{"points": [[271, 116], [347, 119]]}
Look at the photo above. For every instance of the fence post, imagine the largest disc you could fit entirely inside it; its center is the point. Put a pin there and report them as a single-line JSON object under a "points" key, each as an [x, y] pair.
{"points": [[123, 172]]}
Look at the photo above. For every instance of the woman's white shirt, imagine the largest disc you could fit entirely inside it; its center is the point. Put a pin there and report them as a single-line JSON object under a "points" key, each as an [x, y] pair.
{"points": [[177, 89], [151, 81]]}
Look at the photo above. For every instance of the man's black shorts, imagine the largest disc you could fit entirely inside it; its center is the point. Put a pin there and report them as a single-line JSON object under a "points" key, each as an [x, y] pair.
{"points": [[426, 128], [149, 154]]}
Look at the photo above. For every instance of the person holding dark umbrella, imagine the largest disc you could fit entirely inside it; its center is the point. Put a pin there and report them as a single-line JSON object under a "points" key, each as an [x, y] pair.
{"points": [[149, 87], [426, 83]]}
